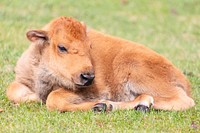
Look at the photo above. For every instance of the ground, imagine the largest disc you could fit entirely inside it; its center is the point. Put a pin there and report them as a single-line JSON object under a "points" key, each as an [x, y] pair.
{"points": [[169, 28]]}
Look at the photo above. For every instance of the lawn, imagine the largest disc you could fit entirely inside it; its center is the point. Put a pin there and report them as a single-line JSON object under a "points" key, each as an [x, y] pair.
{"points": [[170, 28]]}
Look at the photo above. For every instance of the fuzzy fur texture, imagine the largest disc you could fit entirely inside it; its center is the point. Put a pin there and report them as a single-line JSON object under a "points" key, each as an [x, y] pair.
{"points": [[127, 74]]}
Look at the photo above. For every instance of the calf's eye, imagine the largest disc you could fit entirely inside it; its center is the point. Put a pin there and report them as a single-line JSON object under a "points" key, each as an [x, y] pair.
{"points": [[62, 49]]}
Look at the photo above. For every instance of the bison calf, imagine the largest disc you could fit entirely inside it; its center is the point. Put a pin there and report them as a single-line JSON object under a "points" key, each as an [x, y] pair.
{"points": [[70, 70]]}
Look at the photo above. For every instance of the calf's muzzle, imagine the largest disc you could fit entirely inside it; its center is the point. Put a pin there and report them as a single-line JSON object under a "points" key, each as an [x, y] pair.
{"points": [[87, 78]]}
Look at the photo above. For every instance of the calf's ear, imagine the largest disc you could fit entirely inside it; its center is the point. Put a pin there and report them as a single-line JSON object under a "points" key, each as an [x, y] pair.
{"points": [[36, 35]]}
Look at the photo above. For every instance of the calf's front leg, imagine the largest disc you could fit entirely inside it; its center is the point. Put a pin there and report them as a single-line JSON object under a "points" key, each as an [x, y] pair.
{"points": [[142, 103], [64, 100], [19, 93]]}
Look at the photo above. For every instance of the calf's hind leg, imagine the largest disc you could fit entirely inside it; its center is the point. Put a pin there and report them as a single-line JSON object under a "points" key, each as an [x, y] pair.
{"points": [[18, 93], [178, 101]]}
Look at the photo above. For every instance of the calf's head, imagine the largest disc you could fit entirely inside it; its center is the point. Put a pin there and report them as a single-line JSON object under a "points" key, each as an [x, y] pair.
{"points": [[66, 51]]}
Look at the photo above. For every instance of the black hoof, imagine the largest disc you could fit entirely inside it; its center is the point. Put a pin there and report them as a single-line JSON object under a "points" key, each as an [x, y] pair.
{"points": [[142, 108], [100, 107]]}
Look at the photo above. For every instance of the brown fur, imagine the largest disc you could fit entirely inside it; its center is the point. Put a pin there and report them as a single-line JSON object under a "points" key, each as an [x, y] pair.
{"points": [[126, 74]]}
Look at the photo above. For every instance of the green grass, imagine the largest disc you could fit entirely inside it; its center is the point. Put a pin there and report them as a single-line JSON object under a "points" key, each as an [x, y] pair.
{"points": [[170, 28]]}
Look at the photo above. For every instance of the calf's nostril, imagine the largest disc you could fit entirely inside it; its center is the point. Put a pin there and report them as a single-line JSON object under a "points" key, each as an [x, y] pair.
{"points": [[87, 76]]}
